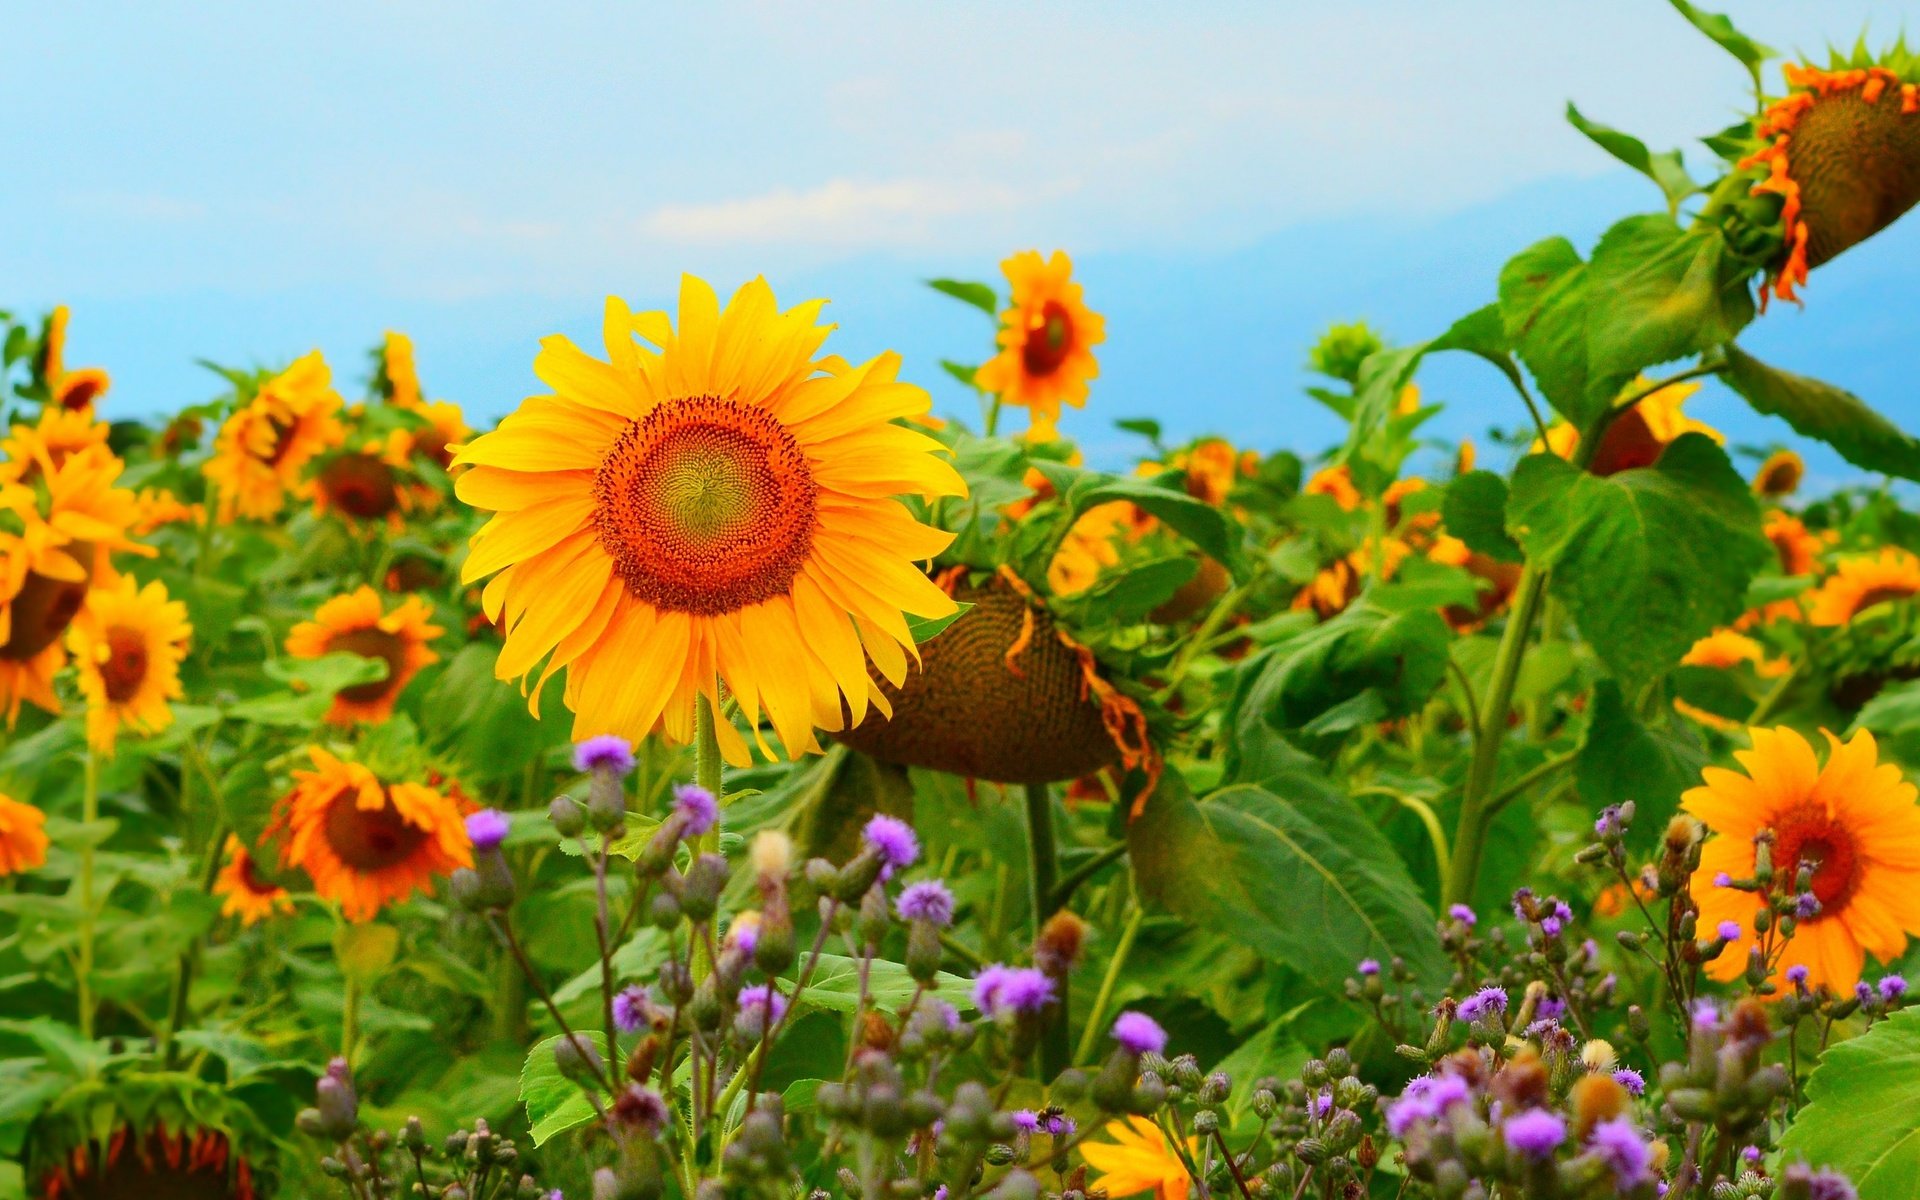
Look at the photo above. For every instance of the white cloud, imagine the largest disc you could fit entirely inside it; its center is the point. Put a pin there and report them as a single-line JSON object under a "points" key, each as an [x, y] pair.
{"points": [[842, 212]]}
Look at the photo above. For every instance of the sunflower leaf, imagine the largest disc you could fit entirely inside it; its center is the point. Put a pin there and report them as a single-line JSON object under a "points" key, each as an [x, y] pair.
{"points": [[1826, 413], [1647, 561], [1196, 520], [1721, 29], [1666, 169], [1660, 293], [979, 295], [1863, 1110], [1543, 305], [1475, 512], [923, 629], [1622, 759]]}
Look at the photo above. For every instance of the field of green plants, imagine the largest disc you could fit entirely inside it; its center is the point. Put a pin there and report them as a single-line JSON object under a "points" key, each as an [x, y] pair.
{"points": [[726, 779]]}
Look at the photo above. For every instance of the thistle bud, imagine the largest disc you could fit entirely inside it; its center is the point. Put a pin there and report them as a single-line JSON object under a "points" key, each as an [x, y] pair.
{"points": [[1062, 940], [606, 802], [336, 1105], [569, 819], [700, 889], [577, 1058]]}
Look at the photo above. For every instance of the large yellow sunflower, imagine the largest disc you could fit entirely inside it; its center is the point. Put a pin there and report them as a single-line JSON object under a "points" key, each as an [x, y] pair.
{"points": [[261, 449], [1046, 339], [366, 843], [128, 642], [1139, 1159], [1853, 823], [23, 836], [247, 894], [356, 624], [1860, 583], [722, 509]]}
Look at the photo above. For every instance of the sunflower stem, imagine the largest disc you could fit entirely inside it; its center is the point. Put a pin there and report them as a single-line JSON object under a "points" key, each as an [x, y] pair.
{"points": [[706, 766], [83, 972], [1043, 876], [1090, 1036]]}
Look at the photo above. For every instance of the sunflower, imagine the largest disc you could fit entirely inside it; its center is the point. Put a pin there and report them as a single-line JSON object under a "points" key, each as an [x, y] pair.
{"points": [[23, 836], [1725, 649], [446, 428], [1339, 583], [1798, 548], [1852, 824], [162, 1165], [248, 896], [1211, 467], [1860, 583], [373, 483], [397, 371], [722, 509], [72, 391], [364, 842], [1637, 437], [30, 450], [261, 449], [158, 507], [128, 642], [1842, 151], [1088, 548], [356, 624], [1046, 339], [1501, 579], [1779, 475], [1139, 1159], [1337, 483]]}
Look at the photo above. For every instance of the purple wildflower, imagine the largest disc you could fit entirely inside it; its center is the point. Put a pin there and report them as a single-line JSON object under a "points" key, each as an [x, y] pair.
{"points": [[1632, 1080], [1722, 879], [1806, 906], [1139, 1033], [1026, 1120], [1466, 916], [1550, 1008], [632, 1009], [1706, 1015], [1535, 1133], [1752, 1154], [1797, 975], [642, 1107], [893, 840], [1058, 1125], [605, 752], [1892, 987], [487, 828], [1863, 991], [1618, 1144], [1000, 989], [697, 809], [987, 984], [1425, 1098], [1728, 931], [1486, 1000], [929, 900], [761, 1000], [1320, 1104], [1367, 967], [1608, 822], [1823, 1184], [744, 933]]}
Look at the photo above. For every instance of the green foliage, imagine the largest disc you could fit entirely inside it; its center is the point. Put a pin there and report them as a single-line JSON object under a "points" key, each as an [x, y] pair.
{"points": [[554, 1103], [979, 295], [1363, 666], [1476, 513], [1623, 758], [1665, 169], [1819, 410], [1863, 1110]]}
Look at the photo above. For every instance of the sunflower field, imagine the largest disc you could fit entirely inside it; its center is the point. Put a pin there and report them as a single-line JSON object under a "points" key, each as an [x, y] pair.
{"points": [[725, 779]]}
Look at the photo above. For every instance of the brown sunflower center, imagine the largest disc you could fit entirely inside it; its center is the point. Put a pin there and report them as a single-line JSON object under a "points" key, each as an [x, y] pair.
{"points": [[79, 390], [1778, 479], [370, 839], [360, 485], [371, 642], [1858, 166], [1816, 842], [283, 438], [43, 610], [126, 666], [706, 505], [251, 879], [1883, 594], [1049, 341]]}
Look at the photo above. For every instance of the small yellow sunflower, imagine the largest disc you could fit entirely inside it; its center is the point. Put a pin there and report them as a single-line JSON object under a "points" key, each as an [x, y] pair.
{"points": [[374, 483], [248, 896], [446, 429], [1779, 475], [1723, 650], [1798, 548], [1858, 584], [1852, 822], [1139, 1159], [23, 836], [72, 391], [1211, 467], [1340, 582], [158, 507], [722, 508], [261, 449], [356, 624], [1046, 339], [128, 642], [32, 450], [1088, 548], [366, 843]]}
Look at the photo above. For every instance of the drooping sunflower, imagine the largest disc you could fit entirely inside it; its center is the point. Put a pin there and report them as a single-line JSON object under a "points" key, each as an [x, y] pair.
{"points": [[1138, 1159], [364, 842], [356, 623], [23, 836], [1638, 436], [1858, 584], [1779, 475], [1853, 823], [1047, 337], [721, 509], [373, 483], [248, 895], [72, 391], [128, 642], [262, 449], [1842, 151]]}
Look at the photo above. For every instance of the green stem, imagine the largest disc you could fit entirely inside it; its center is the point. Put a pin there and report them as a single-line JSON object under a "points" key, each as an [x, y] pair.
{"points": [[350, 1019], [1200, 638], [89, 815], [1776, 695], [1421, 809], [706, 769], [1044, 873], [1506, 794], [1096, 1016], [190, 957]]}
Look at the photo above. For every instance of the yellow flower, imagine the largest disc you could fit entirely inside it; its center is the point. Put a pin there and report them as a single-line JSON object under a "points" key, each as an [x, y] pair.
{"points": [[722, 508], [158, 507], [1723, 650], [1047, 337], [403, 380], [72, 391], [356, 624], [446, 429], [1088, 548], [33, 450], [364, 842], [1637, 437], [128, 642], [1853, 824], [1860, 583], [1336, 482], [248, 896], [1139, 1159], [1799, 549], [1780, 475], [1211, 467], [23, 837], [262, 449]]}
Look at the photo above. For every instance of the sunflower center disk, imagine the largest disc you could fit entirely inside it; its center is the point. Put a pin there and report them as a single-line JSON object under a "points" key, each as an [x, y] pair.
{"points": [[43, 610], [360, 485], [1829, 850], [371, 643], [706, 506], [370, 839], [1049, 341], [126, 666]]}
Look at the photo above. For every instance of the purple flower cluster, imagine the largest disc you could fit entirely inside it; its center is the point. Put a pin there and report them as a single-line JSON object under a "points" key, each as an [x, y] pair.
{"points": [[1618, 1144], [1001, 989], [632, 1009], [1535, 1133], [605, 752], [696, 807], [1466, 916], [1367, 967], [1053, 1124], [1481, 1003], [1424, 1100], [487, 828], [1892, 987], [1632, 1080], [1139, 1033], [894, 841], [1728, 931], [929, 900], [763, 1002]]}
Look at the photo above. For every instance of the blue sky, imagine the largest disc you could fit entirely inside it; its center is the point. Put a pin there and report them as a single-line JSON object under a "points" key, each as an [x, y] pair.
{"points": [[242, 181]]}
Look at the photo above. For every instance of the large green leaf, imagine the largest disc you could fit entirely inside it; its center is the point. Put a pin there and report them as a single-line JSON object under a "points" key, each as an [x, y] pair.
{"points": [[1543, 305], [835, 986], [1863, 1110], [554, 1103], [1819, 410], [1658, 293], [1722, 31], [1305, 879], [1647, 561], [1384, 373], [1623, 759], [1363, 666], [1197, 521], [1665, 169], [1476, 512]]}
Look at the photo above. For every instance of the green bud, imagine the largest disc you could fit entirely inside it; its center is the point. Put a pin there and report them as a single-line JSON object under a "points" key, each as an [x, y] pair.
{"points": [[577, 1058], [569, 819]]}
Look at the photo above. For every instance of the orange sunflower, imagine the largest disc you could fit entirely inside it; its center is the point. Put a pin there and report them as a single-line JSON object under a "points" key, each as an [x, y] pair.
{"points": [[261, 449], [1853, 824], [1860, 583], [1779, 475], [1089, 548], [1798, 547], [128, 642], [74, 391], [356, 624], [397, 369], [1139, 1159], [248, 896], [364, 842], [31, 450], [1046, 339], [1335, 482], [23, 837], [721, 509], [446, 425], [158, 507]]}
